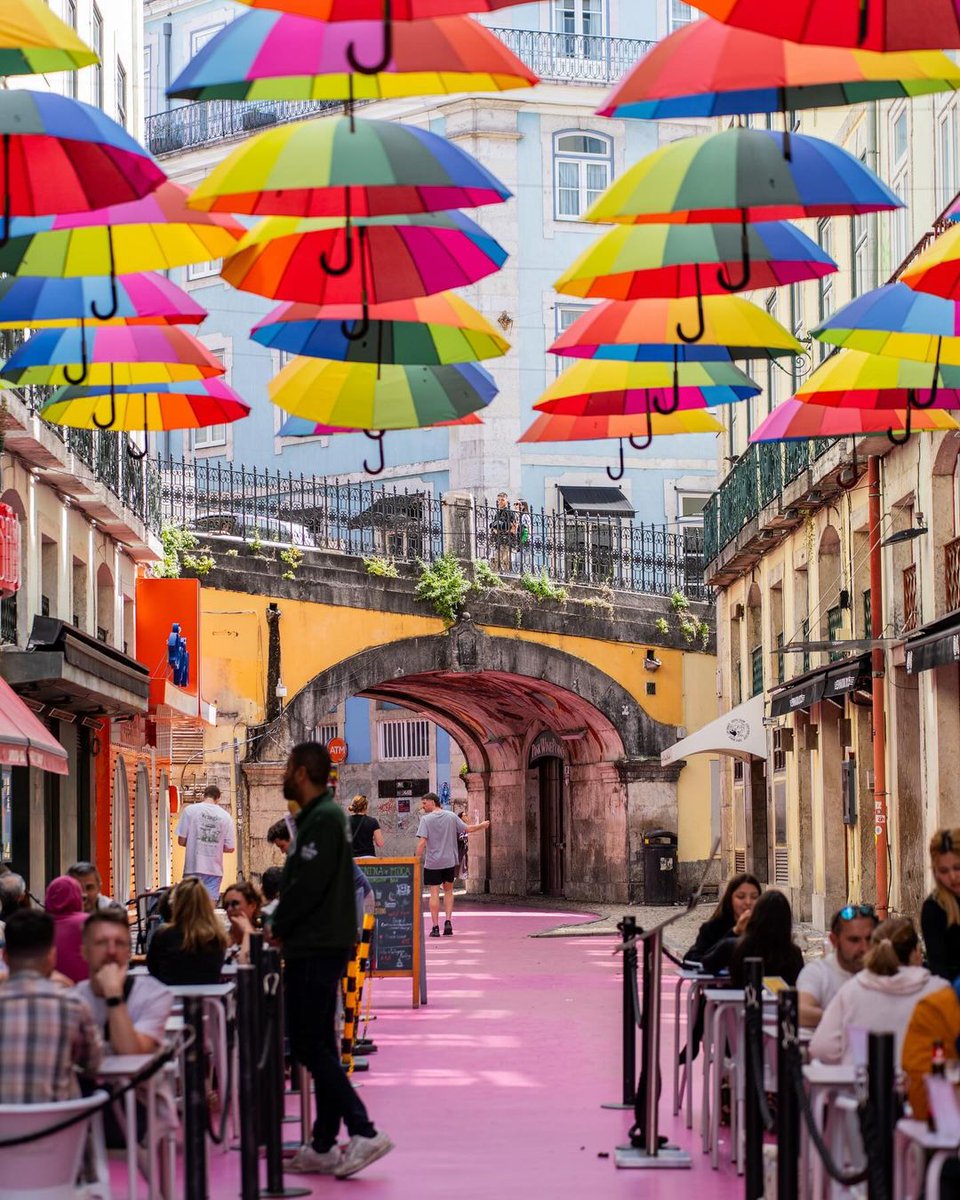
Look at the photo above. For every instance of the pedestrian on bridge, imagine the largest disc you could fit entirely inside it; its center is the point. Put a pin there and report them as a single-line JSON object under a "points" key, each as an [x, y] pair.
{"points": [[438, 846]]}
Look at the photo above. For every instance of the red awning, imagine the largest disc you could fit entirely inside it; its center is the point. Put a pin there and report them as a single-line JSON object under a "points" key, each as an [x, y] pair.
{"points": [[24, 739]]}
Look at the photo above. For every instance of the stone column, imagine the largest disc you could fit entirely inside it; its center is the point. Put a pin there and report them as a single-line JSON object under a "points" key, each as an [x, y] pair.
{"points": [[597, 839], [507, 849], [264, 805], [478, 878]]}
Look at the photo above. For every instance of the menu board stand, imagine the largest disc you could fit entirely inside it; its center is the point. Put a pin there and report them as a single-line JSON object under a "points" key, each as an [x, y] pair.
{"points": [[397, 946]]}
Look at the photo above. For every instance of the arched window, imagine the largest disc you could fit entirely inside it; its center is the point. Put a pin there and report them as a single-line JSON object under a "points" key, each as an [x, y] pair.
{"points": [[582, 166]]}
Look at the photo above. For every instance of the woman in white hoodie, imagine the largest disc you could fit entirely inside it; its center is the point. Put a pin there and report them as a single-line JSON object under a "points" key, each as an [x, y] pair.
{"points": [[880, 998]]}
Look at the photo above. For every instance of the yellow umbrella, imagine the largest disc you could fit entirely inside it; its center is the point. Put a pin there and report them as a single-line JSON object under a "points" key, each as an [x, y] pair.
{"points": [[34, 42]]}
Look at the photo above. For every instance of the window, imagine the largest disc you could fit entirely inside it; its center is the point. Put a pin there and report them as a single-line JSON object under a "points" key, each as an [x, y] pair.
{"points": [[210, 435], [327, 732], [827, 302], [200, 37], [121, 94], [582, 169], [403, 739], [796, 327], [948, 178], [834, 626], [581, 24], [756, 670], [98, 49], [773, 380], [900, 221], [71, 15], [690, 507], [203, 270], [566, 314], [150, 101], [899, 138], [680, 14]]}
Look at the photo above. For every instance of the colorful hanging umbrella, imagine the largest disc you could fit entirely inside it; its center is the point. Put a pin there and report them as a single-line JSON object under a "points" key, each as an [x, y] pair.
{"points": [[795, 421], [300, 427], [430, 330], [343, 166], [112, 354], [31, 302], [706, 69], [869, 24], [895, 321], [148, 408], [371, 260], [363, 396], [276, 56], [635, 330], [58, 155], [632, 261], [35, 42], [937, 269], [853, 379]]}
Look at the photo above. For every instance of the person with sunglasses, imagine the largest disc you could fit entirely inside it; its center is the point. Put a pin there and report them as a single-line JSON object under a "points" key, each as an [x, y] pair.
{"points": [[820, 980], [940, 915], [242, 903]]}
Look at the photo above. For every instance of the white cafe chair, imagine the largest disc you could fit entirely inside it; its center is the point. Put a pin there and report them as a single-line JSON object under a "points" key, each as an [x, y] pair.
{"points": [[47, 1169]]}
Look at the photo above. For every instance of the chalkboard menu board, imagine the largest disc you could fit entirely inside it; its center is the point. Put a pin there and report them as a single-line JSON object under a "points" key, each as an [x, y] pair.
{"points": [[397, 947]]}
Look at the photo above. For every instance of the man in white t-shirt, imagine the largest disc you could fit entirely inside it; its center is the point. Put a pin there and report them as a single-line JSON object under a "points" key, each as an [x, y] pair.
{"points": [[820, 980], [206, 831], [438, 836]]}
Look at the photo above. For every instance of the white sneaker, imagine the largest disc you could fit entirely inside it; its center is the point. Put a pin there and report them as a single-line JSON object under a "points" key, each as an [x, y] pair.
{"points": [[361, 1152], [308, 1161]]}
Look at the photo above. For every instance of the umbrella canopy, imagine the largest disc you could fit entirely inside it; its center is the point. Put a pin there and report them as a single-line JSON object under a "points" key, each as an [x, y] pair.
{"points": [[612, 388], [629, 331], [342, 166], [937, 269], [706, 69], [854, 379], [300, 427], [370, 259], [363, 396], [111, 354], [146, 408], [58, 155], [277, 56], [373, 10], [35, 42], [742, 175], [632, 261], [32, 302], [897, 322], [870, 24], [795, 421], [431, 330], [551, 427]]}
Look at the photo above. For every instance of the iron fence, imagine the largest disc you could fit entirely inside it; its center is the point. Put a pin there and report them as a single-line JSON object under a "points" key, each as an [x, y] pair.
{"points": [[573, 57], [315, 512]]}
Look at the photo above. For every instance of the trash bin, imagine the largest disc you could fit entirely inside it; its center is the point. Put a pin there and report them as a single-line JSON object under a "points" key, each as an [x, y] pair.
{"points": [[659, 867]]}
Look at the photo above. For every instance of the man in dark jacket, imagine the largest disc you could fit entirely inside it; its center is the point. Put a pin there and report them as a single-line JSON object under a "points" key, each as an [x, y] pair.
{"points": [[316, 922]]}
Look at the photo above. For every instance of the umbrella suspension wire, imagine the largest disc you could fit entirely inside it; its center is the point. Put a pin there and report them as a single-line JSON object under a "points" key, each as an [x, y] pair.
{"points": [[901, 439], [76, 380], [114, 295], [341, 268], [646, 442], [377, 437], [740, 284], [7, 198], [689, 338], [113, 408], [361, 327], [934, 385], [348, 105], [132, 450], [379, 347], [787, 147], [618, 474], [666, 407], [387, 52]]}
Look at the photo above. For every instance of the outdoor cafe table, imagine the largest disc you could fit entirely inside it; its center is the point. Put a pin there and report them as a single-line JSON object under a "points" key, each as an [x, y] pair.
{"points": [[119, 1069]]}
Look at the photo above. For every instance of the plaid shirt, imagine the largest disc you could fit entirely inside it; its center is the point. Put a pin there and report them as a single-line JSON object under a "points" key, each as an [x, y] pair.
{"points": [[45, 1033]]}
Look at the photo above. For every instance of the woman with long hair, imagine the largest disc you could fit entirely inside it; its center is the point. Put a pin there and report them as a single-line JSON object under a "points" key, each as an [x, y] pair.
{"points": [[190, 948], [768, 935], [242, 903], [880, 998], [365, 830], [729, 918], [940, 915]]}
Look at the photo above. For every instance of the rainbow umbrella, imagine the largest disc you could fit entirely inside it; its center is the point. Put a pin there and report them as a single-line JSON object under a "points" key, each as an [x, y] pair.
{"points": [[344, 166], [148, 407], [896, 321], [58, 155], [853, 379], [632, 261], [301, 427], [793, 420], [707, 69], [277, 56], [35, 42], [111, 354], [937, 269], [32, 302], [870, 24], [430, 330]]}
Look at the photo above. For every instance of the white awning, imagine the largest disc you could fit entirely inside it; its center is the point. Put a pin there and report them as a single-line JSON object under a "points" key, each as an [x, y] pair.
{"points": [[739, 732]]}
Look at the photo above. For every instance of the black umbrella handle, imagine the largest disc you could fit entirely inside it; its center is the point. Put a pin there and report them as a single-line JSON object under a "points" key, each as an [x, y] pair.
{"points": [[386, 53], [701, 329], [740, 284], [84, 358], [618, 474], [114, 295], [378, 438]]}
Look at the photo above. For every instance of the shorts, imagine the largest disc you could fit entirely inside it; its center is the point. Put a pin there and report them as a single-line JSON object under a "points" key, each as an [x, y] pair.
{"points": [[439, 874]]}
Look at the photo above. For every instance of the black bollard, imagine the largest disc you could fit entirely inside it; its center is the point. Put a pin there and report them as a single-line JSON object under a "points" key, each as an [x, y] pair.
{"points": [[788, 1107], [271, 1080], [248, 1049], [752, 1056], [194, 1102], [256, 961], [628, 929], [882, 1101]]}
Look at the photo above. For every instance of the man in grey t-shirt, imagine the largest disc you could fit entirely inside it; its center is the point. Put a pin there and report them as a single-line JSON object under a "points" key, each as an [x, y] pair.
{"points": [[438, 836]]}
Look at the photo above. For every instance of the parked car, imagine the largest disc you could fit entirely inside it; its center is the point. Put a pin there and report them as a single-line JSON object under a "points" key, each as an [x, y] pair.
{"points": [[240, 528]]}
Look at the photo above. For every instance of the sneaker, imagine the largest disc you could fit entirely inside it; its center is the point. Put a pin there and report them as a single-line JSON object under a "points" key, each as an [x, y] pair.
{"points": [[435, 931], [361, 1152], [308, 1161], [448, 929]]}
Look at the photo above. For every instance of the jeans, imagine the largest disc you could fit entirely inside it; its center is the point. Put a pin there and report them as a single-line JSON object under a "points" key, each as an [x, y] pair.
{"points": [[211, 883], [312, 987]]}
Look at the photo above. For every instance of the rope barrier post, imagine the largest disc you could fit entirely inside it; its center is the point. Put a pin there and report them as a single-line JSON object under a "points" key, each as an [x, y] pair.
{"points": [[256, 961], [753, 1054], [788, 1110], [628, 930], [248, 1041], [881, 1100], [272, 1077], [194, 1103]]}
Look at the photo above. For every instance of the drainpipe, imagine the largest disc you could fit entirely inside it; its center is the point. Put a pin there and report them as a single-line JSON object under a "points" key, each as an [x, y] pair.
{"points": [[879, 714], [167, 58]]}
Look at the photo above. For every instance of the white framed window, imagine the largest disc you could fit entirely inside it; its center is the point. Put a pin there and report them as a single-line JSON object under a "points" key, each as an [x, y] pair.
{"points": [[680, 14], [582, 24], [200, 37], [566, 314], [71, 16], [97, 45], [327, 732], [203, 270], [773, 375], [582, 167], [210, 435], [402, 739], [899, 136], [121, 93], [150, 101], [900, 220], [827, 301], [948, 175]]}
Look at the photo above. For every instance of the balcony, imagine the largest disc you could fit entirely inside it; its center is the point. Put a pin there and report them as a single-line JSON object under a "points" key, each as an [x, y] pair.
{"points": [[911, 610], [555, 57]]}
